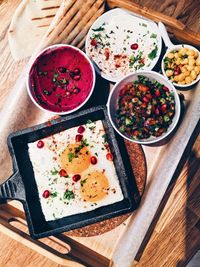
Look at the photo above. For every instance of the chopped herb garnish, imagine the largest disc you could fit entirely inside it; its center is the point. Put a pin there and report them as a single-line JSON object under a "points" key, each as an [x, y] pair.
{"points": [[64, 81], [96, 154], [83, 181], [144, 25], [54, 194], [153, 53], [92, 128], [69, 195], [71, 156], [99, 29], [55, 76], [88, 121], [54, 172], [153, 35], [105, 137], [132, 60], [46, 92]]}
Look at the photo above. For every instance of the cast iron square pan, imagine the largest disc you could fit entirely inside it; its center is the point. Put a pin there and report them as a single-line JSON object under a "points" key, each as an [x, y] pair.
{"points": [[22, 185]]}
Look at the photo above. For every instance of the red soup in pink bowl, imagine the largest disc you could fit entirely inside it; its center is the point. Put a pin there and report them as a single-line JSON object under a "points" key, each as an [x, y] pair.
{"points": [[61, 79]]}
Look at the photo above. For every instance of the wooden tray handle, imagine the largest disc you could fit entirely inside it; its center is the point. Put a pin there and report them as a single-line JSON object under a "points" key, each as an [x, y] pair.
{"points": [[175, 26], [77, 256]]}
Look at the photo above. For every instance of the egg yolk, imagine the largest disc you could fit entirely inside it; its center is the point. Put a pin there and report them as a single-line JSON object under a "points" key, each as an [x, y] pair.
{"points": [[94, 186], [75, 161]]}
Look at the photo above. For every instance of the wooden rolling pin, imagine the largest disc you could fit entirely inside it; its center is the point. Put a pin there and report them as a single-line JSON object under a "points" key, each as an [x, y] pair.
{"points": [[179, 30]]}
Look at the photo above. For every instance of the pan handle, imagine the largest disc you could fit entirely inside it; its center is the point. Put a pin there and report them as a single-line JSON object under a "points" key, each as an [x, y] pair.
{"points": [[13, 188]]}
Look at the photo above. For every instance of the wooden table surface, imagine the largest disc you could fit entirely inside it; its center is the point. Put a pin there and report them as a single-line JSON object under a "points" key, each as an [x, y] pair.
{"points": [[174, 236]]}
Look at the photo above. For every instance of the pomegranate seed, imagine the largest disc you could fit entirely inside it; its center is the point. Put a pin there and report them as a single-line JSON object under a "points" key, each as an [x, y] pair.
{"points": [[46, 194], [157, 93], [149, 96], [107, 54], [153, 108], [68, 93], [93, 160], [165, 88], [109, 156], [76, 90], [157, 112], [145, 99], [77, 77], [63, 173], [79, 137], [40, 144], [76, 177], [164, 108], [177, 71], [62, 70], [81, 129], [93, 42], [134, 46], [76, 71], [144, 105]]}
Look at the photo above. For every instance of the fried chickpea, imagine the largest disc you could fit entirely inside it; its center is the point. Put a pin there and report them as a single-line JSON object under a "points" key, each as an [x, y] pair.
{"points": [[183, 50], [184, 69], [191, 62], [187, 73], [170, 55], [198, 61], [176, 78], [196, 54], [197, 69], [169, 73], [190, 52], [188, 80], [178, 61], [181, 77], [193, 74], [183, 82], [190, 68], [176, 55]]}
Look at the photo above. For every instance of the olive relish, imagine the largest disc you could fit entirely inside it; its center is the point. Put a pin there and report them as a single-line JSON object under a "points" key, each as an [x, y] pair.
{"points": [[145, 108]]}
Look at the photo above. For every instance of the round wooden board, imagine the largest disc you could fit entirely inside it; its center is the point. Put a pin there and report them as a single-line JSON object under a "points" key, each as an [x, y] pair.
{"points": [[138, 163]]}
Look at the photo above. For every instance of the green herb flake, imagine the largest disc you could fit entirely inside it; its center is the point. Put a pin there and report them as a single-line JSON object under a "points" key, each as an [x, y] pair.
{"points": [[144, 25], [153, 53], [54, 172], [153, 35], [96, 154], [69, 195], [105, 137], [55, 76], [83, 182], [54, 194], [88, 121], [64, 81], [71, 156], [92, 128]]}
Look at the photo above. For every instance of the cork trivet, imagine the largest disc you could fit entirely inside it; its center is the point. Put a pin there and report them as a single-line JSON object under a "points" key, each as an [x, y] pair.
{"points": [[138, 163]]}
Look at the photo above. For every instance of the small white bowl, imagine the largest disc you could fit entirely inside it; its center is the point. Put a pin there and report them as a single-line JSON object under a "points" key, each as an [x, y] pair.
{"points": [[171, 47], [52, 47], [113, 98]]}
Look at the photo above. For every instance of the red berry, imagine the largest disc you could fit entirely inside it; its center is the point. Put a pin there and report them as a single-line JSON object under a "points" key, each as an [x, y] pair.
{"points": [[109, 156], [78, 137], [93, 42], [165, 88], [63, 173], [76, 90], [164, 108], [177, 71], [46, 194], [76, 177], [134, 46], [76, 71], [157, 92], [81, 129], [77, 77], [93, 160], [145, 99], [40, 144], [157, 112]]}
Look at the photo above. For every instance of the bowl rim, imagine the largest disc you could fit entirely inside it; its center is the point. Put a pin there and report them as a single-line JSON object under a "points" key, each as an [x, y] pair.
{"points": [[178, 47], [32, 64], [106, 14], [177, 107]]}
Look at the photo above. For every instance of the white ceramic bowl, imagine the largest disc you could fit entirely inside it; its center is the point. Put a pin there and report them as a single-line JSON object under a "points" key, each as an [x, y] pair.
{"points": [[113, 17], [33, 62], [178, 47], [113, 98], [171, 47]]}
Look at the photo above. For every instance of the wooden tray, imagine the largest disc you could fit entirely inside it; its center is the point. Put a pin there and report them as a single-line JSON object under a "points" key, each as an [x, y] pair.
{"points": [[162, 160]]}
